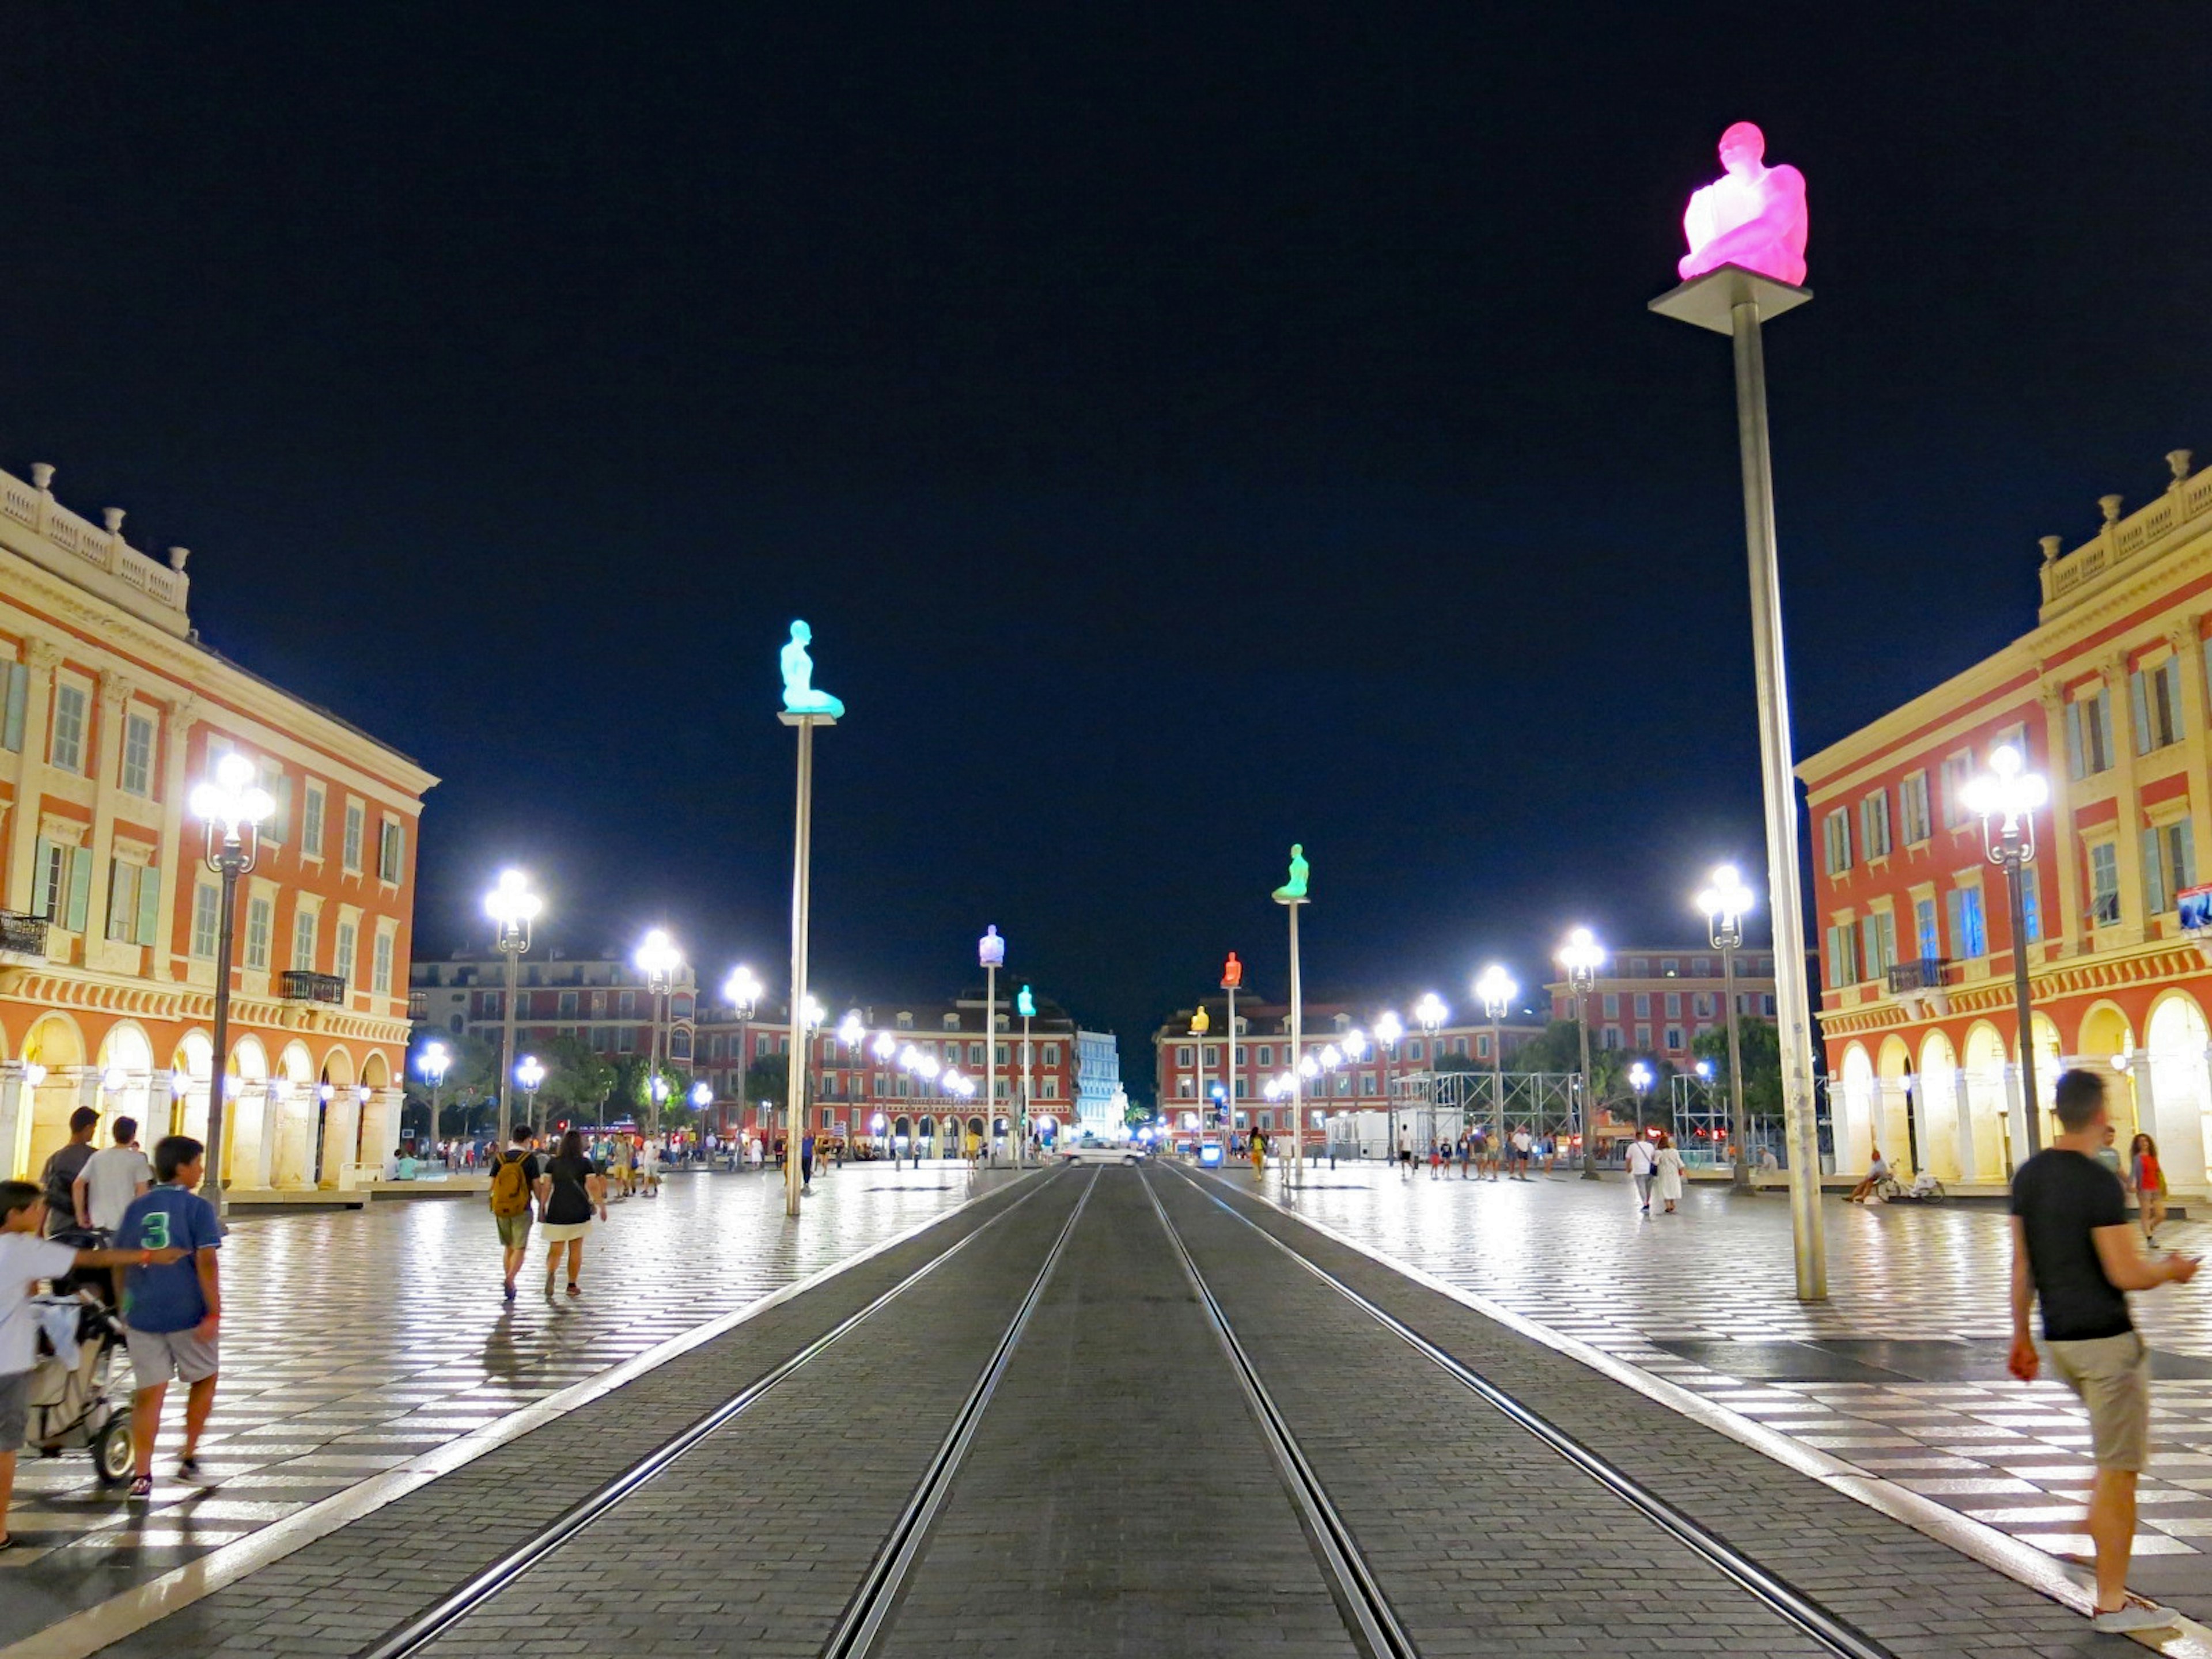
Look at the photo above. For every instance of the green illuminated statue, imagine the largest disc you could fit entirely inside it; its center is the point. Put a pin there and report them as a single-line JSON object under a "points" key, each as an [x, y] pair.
{"points": [[1025, 1005], [800, 697], [1293, 891]]}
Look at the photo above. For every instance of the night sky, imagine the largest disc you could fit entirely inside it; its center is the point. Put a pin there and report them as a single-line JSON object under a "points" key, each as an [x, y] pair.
{"points": [[1188, 429]]}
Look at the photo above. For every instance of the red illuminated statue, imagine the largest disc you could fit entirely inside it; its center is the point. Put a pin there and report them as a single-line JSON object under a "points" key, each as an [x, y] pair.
{"points": [[1752, 216], [1232, 973]]}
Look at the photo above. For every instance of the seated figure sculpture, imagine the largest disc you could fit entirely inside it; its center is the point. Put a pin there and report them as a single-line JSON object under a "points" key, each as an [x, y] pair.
{"points": [[800, 697], [1293, 891], [1752, 216]]}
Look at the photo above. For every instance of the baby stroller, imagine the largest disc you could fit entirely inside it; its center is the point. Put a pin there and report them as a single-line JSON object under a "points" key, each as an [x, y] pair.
{"points": [[79, 1338]]}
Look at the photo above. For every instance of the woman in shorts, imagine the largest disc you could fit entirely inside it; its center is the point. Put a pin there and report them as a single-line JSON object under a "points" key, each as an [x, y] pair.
{"points": [[2149, 1182], [569, 1194]]}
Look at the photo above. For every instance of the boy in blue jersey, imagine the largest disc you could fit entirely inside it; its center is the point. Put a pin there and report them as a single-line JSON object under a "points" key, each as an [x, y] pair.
{"points": [[170, 1314]]}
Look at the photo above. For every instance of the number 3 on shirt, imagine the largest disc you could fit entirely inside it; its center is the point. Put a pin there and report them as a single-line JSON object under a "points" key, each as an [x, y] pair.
{"points": [[154, 1231]]}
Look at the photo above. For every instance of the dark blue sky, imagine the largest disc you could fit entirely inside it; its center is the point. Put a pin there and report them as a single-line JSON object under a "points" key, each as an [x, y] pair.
{"points": [[1188, 427]]}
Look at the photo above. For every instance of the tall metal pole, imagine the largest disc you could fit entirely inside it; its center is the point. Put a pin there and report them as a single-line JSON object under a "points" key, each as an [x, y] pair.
{"points": [[2016, 878], [990, 1061], [1497, 1089], [1741, 1180], [1589, 1095], [1297, 1056], [228, 861], [1791, 1000], [1229, 1074], [1028, 1076], [801, 900], [510, 947]]}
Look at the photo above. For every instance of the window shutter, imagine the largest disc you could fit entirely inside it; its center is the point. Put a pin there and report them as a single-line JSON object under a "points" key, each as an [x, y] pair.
{"points": [[2185, 855], [18, 695], [2074, 740], [150, 903], [2153, 875], [42, 860], [80, 889], [2142, 706]]}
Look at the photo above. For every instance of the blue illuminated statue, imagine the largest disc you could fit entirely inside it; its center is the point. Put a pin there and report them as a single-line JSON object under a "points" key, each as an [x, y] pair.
{"points": [[1025, 1005], [991, 950], [1293, 891], [800, 697]]}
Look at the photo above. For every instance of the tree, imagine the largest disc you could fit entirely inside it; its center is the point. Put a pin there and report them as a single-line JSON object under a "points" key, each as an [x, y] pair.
{"points": [[1557, 1049], [769, 1078], [1457, 1063], [1761, 1043], [471, 1078], [576, 1077]]}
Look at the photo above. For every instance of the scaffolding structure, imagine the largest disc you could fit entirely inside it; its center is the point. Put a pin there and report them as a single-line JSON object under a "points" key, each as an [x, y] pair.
{"points": [[1434, 1106]]}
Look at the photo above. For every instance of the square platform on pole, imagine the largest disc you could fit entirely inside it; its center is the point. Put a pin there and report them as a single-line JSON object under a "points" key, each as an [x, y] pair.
{"points": [[1709, 300], [790, 719]]}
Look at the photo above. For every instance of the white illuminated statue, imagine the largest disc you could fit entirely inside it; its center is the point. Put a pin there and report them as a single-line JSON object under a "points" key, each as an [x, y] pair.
{"points": [[1752, 216], [800, 697]]}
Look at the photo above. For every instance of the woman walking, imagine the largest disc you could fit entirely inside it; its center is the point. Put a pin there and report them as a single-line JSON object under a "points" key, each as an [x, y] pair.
{"points": [[1667, 1163], [2150, 1183], [568, 1192]]}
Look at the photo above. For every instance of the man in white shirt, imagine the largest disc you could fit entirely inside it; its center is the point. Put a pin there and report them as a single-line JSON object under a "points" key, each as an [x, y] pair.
{"points": [[1639, 1170], [111, 1178], [1523, 1144]]}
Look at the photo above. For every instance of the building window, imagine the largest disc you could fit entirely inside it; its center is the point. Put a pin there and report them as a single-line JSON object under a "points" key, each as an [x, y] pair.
{"points": [[568, 1005], [1052, 1086], [380, 978], [2089, 733], [1877, 944], [260, 917], [626, 1005], [1673, 1039], [2169, 863], [2156, 695], [1612, 1034], [1842, 956], [14, 700], [975, 1054], [1958, 772], [207, 913], [1052, 1054], [134, 901], [1970, 939], [343, 963], [138, 756], [1213, 1056], [1642, 1005], [1836, 841], [67, 751], [1267, 1053], [356, 821], [391, 851], [1873, 824], [1183, 1054], [303, 941], [1924, 930], [310, 824], [2104, 884], [1644, 1036], [63, 881], [1612, 1010], [1913, 807]]}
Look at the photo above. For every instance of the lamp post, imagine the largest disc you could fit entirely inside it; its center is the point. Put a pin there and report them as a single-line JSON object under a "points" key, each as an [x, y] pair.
{"points": [[882, 1142], [1025, 1005], [1430, 1014], [1726, 902], [743, 990], [991, 955], [1201, 1024], [1734, 301], [2005, 799], [1640, 1078], [1292, 896], [514, 908], [1356, 1048], [658, 961], [804, 708], [1389, 1031], [531, 1076], [1581, 956], [1496, 990], [231, 810], [434, 1062], [1232, 976]]}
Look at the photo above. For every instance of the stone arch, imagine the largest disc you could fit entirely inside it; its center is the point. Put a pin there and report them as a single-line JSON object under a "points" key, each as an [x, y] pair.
{"points": [[192, 1064], [2050, 1061], [1851, 1125], [2108, 1039], [2179, 1048], [1940, 1100], [55, 1045], [126, 1076], [297, 1120], [1985, 1078], [246, 1112], [1902, 1132]]}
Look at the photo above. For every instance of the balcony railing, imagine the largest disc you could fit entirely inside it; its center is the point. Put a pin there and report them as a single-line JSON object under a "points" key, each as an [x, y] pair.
{"points": [[1922, 974], [296, 986], [21, 935]]}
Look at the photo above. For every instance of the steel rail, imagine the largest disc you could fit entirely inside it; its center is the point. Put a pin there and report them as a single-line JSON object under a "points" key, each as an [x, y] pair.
{"points": [[869, 1612], [419, 1631], [1839, 1635], [1367, 1612]]}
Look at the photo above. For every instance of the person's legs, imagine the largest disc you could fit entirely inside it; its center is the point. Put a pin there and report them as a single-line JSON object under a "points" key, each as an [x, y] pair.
{"points": [[552, 1267], [576, 1262], [2112, 1530], [145, 1424], [199, 1400], [7, 1492]]}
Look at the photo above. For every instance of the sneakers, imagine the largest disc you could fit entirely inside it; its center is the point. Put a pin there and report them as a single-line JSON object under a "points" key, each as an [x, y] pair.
{"points": [[2135, 1616], [188, 1468], [507, 1294], [142, 1488]]}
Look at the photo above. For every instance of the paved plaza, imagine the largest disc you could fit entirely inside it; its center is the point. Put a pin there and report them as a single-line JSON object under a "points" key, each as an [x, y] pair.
{"points": [[1900, 1373], [355, 1341]]}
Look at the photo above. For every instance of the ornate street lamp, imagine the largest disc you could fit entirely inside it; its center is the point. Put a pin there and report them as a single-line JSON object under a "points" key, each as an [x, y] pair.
{"points": [[231, 810], [1726, 903], [531, 1076], [658, 961], [1495, 991], [1640, 1079], [742, 992], [434, 1060], [2005, 799], [1581, 957], [991, 955], [514, 908]]}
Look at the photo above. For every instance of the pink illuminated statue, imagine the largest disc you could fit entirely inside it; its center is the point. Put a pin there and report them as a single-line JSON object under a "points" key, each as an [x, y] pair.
{"points": [[1752, 216]]}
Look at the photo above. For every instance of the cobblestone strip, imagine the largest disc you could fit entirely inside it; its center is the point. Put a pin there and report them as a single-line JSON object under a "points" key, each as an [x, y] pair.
{"points": [[1901, 1587], [338, 1595], [1069, 1532]]}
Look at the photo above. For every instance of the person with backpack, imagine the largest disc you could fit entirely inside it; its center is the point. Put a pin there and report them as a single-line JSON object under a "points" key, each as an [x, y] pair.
{"points": [[513, 1182]]}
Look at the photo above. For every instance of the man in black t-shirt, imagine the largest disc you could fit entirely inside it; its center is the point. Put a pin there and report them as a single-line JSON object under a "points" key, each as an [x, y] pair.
{"points": [[2074, 1252], [58, 1178]]}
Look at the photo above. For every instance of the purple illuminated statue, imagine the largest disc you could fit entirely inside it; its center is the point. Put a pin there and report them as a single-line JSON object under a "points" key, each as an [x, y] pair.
{"points": [[1752, 216]]}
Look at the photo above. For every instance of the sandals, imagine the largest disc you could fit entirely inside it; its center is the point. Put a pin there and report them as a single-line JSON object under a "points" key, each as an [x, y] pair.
{"points": [[574, 1289]]}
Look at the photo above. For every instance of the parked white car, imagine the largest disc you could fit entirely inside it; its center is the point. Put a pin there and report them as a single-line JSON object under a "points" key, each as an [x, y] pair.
{"points": [[1092, 1151]]}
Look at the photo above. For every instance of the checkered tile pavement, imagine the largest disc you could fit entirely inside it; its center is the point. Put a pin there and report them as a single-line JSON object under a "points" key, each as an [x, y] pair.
{"points": [[354, 1340], [1714, 1284]]}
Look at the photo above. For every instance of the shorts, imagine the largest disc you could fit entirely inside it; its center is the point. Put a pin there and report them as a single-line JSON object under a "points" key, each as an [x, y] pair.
{"points": [[513, 1229], [15, 1409], [157, 1356], [2112, 1375], [562, 1232]]}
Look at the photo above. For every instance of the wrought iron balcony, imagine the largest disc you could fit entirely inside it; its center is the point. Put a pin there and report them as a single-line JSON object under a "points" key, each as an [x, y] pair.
{"points": [[1922, 974], [296, 986], [21, 935]]}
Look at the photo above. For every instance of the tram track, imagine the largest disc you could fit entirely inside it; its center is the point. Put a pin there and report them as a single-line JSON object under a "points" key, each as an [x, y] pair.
{"points": [[1770, 1588], [483, 1589]]}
